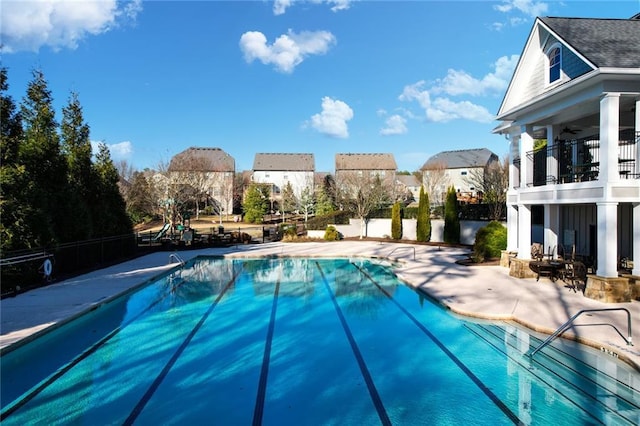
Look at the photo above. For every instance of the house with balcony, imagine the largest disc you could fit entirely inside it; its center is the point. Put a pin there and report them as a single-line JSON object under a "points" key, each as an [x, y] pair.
{"points": [[203, 176], [280, 169], [571, 115], [460, 169]]}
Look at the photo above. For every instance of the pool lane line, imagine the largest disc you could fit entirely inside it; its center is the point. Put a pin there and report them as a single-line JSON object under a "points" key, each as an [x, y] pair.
{"points": [[11, 408], [527, 369], [258, 410], [160, 378], [373, 391], [497, 401]]}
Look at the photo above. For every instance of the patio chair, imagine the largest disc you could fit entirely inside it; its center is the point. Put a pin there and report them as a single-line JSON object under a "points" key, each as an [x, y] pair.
{"points": [[575, 274], [537, 252]]}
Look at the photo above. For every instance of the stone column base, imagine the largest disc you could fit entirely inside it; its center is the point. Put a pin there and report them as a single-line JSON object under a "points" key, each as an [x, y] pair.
{"points": [[519, 268], [611, 290], [506, 257]]}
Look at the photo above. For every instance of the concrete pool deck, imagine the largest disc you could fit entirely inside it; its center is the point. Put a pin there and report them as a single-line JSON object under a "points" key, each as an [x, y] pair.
{"points": [[478, 291]]}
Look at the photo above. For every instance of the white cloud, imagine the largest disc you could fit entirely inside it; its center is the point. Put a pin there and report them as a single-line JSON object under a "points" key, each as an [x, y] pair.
{"points": [[531, 8], [394, 125], [461, 83], [118, 151], [281, 6], [332, 120], [30, 25], [288, 51], [457, 83]]}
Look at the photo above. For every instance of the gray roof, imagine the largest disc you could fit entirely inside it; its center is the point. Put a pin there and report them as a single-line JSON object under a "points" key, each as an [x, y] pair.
{"points": [[203, 160], [461, 158], [284, 162], [605, 42], [374, 161], [408, 180]]}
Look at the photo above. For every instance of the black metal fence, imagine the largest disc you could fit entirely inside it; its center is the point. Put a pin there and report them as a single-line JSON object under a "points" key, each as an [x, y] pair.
{"points": [[21, 270]]}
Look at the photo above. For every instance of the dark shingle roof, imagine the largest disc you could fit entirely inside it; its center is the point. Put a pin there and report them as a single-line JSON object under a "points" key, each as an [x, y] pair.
{"points": [[375, 161], [203, 160], [284, 162], [605, 42], [461, 158]]}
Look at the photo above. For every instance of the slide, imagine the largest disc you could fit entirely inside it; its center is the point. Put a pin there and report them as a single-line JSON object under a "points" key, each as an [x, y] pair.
{"points": [[162, 232]]}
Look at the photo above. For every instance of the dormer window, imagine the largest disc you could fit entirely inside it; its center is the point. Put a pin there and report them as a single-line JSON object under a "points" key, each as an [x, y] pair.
{"points": [[554, 56]]}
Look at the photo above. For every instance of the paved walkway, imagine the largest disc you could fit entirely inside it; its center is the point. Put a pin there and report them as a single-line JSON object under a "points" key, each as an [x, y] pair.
{"points": [[478, 291]]}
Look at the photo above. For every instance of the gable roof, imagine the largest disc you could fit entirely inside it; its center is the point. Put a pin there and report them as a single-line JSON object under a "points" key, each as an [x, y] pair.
{"points": [[202, 160], [461, 158], [408, 180], [373, 161], [284, 162], [611, 43]]}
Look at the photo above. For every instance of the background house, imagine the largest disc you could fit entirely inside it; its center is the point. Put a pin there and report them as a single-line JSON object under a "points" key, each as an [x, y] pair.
{"points": [[202, 176], [280, 169], [368, 165], [408, 184], [576, 89], [459, 169]]}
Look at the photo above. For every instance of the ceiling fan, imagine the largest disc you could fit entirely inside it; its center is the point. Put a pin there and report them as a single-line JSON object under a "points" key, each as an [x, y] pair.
{"points": [[568, 130]]}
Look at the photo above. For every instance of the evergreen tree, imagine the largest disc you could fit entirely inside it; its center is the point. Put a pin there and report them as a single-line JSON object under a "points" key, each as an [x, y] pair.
{"points": [[255, 203], [423, 225], [289, 201], [451, 219], [396, 221], [44, 164], [76, 148], [109, 208], [15, 231]]}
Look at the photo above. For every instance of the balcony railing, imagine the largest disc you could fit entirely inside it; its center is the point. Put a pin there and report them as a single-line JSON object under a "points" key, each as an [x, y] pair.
{"points": [[578, 160]]}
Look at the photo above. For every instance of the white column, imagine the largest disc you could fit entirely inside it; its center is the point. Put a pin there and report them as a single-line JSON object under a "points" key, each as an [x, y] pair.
{"points": [[637, 170], [551, 228], [524, 231], [552, 154], [514, 173], [512, 227], [609, 132], [607, 213], [526, 163], [636, 239]]}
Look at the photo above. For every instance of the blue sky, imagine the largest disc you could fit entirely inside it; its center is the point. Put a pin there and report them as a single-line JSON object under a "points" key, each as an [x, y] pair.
{"points": [[322, 76]]}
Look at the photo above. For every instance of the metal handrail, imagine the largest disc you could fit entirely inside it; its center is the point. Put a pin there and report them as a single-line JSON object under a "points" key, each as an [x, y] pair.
{"points": [[407, 247], [564, 326], [176, 258]]}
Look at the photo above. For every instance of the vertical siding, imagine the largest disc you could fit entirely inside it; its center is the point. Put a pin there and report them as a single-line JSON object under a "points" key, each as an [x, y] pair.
{"points": [[579, 217]]}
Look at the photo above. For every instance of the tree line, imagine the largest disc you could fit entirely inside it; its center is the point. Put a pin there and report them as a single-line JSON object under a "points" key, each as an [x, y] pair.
{"points": [[52, 189]]}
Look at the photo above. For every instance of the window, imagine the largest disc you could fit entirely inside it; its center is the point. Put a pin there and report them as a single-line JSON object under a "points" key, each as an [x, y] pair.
{"points": [[554, 64], [463, 173]]}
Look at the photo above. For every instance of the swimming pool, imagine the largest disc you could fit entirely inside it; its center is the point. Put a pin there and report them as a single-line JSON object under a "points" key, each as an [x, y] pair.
{"points": [[302, 341]]}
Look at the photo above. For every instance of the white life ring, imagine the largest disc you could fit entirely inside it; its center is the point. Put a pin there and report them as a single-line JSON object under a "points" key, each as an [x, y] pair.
{"points": [[48, 268]]}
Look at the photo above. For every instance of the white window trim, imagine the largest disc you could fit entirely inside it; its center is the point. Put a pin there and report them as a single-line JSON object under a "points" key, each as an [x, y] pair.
{"points": [[547, 66]]}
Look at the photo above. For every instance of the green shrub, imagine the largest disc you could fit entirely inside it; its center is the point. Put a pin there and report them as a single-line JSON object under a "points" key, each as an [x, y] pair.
{"points": [[331, 234], [396, 221], [490, 241], [423, 219], [451, 219], [321, 222]]}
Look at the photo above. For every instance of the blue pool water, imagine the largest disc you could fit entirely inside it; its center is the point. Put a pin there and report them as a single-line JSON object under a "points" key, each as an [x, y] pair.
{"points": [[302, 341]]}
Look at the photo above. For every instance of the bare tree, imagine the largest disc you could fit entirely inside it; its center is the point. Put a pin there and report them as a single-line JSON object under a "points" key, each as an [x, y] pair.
{"points": [[493, 182], [362, 194], [436, 181]]}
